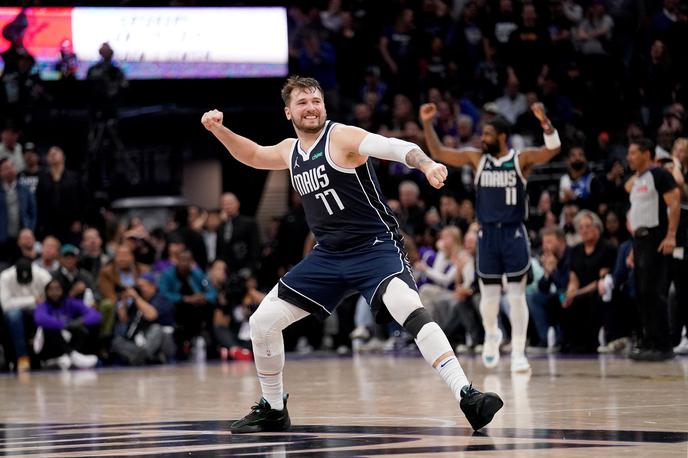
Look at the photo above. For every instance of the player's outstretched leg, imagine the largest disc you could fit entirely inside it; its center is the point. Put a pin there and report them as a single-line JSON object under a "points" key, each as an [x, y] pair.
{"points": [[405, 307], [490, 295], [267, 322], [518, 315]]}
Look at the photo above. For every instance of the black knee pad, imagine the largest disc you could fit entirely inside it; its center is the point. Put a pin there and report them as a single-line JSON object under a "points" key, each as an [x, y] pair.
{"points": [[416, 320]]}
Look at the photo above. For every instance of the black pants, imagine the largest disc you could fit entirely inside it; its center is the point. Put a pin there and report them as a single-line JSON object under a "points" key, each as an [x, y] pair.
{"points": [[192, 321], [580, 324], [617, 317], [652, 286], [84, 340]]}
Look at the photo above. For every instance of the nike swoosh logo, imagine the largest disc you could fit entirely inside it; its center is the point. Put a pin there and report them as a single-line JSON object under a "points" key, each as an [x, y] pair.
{"points": [[445, 363]]}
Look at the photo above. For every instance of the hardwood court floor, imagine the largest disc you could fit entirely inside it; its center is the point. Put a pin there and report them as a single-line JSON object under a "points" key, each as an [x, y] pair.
{"points": [[343, 407]]}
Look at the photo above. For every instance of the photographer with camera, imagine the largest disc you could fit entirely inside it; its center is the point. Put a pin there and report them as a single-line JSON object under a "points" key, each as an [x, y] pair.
{"points": [[193, 298], [123, 271], [143, 331]]}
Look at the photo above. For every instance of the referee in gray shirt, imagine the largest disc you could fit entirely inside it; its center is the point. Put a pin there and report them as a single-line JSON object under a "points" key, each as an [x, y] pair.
{"points": [[653, 217]]}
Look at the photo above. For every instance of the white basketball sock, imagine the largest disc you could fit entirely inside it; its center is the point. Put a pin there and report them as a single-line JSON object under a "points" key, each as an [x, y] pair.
{"points": [[490, 295], [518, 315], [433, 343], [271, 382]]}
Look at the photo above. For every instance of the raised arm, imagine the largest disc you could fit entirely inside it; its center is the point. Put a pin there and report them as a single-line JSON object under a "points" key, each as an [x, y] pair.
{"points": [[354, 145], [450, 156], [247, 151], [533, 156]]}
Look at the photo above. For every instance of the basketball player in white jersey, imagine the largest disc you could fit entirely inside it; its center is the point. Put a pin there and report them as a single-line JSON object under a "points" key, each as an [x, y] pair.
{"points": [[359, 247]]}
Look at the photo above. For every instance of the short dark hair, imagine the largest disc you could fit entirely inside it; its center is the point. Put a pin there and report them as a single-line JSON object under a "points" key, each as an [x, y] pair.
{"points": [[645, 144], [500, 124], [299, 82]]}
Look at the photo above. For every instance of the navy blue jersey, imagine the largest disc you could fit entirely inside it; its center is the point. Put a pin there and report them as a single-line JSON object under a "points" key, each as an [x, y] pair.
{"points": [[344, 207], [500, 190]]}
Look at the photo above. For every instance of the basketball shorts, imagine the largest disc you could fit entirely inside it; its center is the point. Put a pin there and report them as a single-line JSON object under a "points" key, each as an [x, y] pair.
{"points": [[503, 249], [323, 278]]}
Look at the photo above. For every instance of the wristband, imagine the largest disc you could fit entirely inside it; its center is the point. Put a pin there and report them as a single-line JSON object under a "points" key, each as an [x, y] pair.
{"points": [[552, 140]]}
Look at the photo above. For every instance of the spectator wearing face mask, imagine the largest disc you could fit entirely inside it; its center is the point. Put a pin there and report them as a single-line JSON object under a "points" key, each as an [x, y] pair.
{"points": [[580, 186]]}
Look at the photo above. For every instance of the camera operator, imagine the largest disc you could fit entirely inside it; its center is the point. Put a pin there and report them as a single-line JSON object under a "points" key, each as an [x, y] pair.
{"points": [[123, 271], [143, 332]]}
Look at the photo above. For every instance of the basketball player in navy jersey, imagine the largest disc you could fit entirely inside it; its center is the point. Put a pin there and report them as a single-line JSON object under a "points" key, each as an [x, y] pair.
{"points": [[501, 208], [359, 247]]}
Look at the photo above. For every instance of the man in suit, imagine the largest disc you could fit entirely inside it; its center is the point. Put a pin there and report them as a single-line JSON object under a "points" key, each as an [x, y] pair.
{"points": [[61, 199], [238, 238]]}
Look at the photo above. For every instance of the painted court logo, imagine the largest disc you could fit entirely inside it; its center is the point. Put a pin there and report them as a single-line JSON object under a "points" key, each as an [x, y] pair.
{"points": [[179, 439]]}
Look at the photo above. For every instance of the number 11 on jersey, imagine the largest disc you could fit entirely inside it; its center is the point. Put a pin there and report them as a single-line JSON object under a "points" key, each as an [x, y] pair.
{"points": [[511, 195]]}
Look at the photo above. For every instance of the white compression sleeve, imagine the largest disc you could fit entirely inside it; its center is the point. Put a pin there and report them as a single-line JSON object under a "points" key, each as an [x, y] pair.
{"points": [[266, 324], [391, 149]]}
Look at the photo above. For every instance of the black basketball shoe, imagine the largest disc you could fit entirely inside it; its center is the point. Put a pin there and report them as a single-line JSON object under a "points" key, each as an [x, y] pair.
{"points": [[652, 355], [478, 407], [263, 418]]}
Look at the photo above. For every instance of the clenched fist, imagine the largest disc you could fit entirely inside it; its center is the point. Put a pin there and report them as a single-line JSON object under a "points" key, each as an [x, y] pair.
{"points": [[436, 174], [538, 110], [427, 112], [212, 119]]}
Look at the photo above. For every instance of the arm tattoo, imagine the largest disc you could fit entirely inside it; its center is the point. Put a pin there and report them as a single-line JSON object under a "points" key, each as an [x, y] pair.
{"points": [[417, 159]]}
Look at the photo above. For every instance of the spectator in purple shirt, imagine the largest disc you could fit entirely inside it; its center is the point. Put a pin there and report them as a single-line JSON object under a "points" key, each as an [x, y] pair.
{"points": [[69, 328]]}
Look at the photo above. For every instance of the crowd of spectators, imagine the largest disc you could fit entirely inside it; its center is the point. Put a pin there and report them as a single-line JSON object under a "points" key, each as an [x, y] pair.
{"points": [[140, 297], [608, 72]]}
